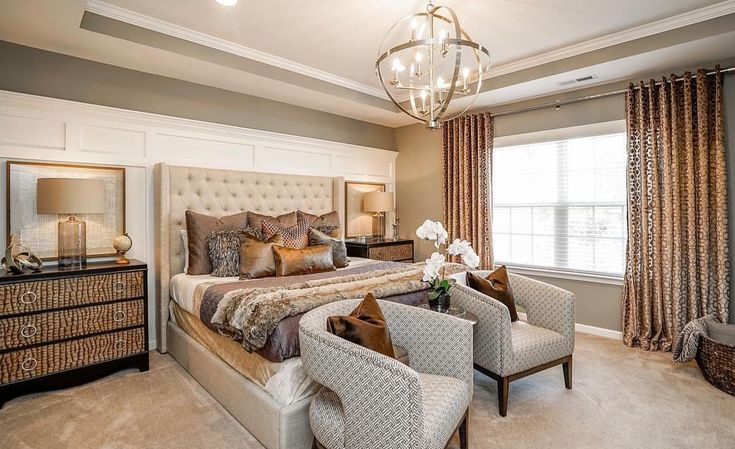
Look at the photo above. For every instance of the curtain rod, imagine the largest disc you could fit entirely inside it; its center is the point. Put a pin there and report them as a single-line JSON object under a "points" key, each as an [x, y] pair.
{"points": [[558, 103]]}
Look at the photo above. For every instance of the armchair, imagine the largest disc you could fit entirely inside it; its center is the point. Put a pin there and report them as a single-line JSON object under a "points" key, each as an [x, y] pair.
{"points": [[370, 401], [508, 351]]}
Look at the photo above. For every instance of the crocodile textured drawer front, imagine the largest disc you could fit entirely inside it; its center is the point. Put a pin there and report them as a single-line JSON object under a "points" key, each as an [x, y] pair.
{"points": [[28, 330], [393, 252], [41, 360], [26, 297]]}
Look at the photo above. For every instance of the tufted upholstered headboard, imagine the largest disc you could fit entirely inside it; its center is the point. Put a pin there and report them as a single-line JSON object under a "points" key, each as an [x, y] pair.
{"points": [[225, 192]]}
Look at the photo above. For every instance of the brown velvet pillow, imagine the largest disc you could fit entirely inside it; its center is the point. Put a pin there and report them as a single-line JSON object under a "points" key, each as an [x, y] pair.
{"points": [[255, 220], [339, 249], [296, 237], [497, 286], [327, 223], [365, 326], [313, 259], [198, 227], [256, 257]]}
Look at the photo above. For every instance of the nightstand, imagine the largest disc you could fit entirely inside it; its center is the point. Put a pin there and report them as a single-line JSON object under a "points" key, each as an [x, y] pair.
{"points": [[60, 328], [398, 250]]}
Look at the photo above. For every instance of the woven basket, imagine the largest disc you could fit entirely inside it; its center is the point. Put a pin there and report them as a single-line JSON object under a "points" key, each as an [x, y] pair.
{"points": [[717, 362]]}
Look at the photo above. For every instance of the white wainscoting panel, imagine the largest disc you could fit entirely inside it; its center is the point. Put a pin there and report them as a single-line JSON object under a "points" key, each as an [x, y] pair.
{"points": [[47, 129]]}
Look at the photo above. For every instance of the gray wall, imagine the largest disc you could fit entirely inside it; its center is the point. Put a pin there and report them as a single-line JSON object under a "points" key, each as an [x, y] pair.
{"points": [[419, 185], [38, 72]]}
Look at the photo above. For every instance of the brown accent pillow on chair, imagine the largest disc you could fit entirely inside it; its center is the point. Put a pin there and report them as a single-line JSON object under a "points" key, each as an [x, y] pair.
{"points": [[256, 220], [256, 257], [198, 228], [313, 259], [497, 286], [327, 223], [339, 249], [365, 326], [296, 237]]}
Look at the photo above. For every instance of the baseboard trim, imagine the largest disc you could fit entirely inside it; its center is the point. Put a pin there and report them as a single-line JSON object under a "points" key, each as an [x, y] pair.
{"points": [[599, 331], [587, 329]]}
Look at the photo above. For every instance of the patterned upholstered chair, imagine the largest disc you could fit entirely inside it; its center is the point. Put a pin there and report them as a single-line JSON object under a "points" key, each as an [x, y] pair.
{"points": [[509, 351], [370, 401]]}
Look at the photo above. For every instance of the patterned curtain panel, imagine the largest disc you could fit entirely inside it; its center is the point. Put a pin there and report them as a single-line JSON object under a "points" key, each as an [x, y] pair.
{"points": [[677, 266], [468, 146]]}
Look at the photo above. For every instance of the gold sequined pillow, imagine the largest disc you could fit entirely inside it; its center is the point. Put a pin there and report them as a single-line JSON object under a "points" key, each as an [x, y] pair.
{"points": [[296, 237]]}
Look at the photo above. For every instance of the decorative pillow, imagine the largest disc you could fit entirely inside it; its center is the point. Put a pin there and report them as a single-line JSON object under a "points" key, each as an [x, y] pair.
{"points": [[256, 220], [339, 250], [253, 233], [224, 253], [198, 227], [327, 223], [497, 286], [296, 237], [256, 257], [365, 326], [313, 259]]}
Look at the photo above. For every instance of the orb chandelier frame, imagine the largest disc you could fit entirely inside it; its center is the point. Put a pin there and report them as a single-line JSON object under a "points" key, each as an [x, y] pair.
{"points": [[429, 96]]}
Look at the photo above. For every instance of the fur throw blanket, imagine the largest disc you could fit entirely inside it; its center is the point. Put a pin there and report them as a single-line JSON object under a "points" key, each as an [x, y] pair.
{"points": [[250, 315], [687, 343]]}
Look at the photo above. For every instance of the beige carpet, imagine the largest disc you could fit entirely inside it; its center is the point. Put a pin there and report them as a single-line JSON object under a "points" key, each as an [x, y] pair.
{"points": [[622, 398]]}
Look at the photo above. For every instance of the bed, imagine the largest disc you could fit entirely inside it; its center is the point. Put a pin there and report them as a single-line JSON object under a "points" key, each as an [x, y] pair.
{"points": [[220, 192]]}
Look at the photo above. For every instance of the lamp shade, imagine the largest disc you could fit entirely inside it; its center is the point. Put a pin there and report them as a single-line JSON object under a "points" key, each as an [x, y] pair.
{"points": [[70, 196], [377, 202]]}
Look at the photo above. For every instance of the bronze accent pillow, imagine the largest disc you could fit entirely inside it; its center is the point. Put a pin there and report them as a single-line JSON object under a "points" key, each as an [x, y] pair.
{"points": [[256, 257], [198, 228], [365, 326], [296, 237], [313, 259], [497, 286], [256, 220], [327, 223], [339, 250]]}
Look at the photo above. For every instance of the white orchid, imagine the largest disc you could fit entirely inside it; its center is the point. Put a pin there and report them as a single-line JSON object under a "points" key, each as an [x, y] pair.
{"points": [[433, 230], [433, 266], [463, 248]]}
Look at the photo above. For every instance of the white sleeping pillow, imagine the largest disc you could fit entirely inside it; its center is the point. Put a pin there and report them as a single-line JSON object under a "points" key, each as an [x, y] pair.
{"points": [[185, 239]]}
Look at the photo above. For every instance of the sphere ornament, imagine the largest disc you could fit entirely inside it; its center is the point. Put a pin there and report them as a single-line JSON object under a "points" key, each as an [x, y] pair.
{"points": [[122, 245], [426, 61]]}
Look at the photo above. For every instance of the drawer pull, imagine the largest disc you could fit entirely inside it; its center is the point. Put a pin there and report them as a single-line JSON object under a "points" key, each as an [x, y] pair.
{"points": [[118, 287], [119, 316], [29, 364], [28, 331], [120, 345], [28, 297]]}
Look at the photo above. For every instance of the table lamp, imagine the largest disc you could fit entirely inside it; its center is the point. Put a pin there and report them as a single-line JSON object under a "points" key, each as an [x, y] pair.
{"points": [[379, 203], [68, 197]]}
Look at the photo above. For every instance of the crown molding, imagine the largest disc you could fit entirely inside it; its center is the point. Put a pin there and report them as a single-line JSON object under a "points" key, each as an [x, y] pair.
{"points": [[133, 18], [649, 29]]}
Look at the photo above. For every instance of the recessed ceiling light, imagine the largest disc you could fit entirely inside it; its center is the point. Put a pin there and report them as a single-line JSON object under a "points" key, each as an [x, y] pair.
{"points": [[226, 2]]}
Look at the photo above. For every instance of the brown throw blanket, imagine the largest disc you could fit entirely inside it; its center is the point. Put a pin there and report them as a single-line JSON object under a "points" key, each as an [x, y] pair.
{"points": [[250, 315]]}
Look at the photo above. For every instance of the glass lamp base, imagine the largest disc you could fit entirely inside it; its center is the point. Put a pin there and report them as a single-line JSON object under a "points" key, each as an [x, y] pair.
{"points": [[379, 225], [72, 243]]}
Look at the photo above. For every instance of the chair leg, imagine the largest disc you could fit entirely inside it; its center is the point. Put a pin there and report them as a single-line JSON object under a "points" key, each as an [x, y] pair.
{"points": [[567, 367], [503, 384], [463, 431]]}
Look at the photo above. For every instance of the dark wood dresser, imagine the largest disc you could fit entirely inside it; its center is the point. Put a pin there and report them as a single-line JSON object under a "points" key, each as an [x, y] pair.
{"points": [[60, 328], [398, 250]]}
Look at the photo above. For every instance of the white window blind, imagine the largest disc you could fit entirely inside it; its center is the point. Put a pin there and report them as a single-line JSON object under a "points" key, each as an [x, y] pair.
{"points": [[561, 204]]}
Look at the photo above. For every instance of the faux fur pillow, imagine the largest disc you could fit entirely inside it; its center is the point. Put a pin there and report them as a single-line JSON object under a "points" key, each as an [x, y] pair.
{"points": [[296, 237], [198, 227], [339, 250], [224, 253]]}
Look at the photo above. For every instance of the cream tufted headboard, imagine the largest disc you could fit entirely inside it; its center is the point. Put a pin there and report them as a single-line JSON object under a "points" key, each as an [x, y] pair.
{"points": [[225, 192]]}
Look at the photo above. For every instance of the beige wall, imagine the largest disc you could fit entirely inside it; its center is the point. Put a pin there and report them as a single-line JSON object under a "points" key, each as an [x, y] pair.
{"points": [[420, 189], [38, 72]]}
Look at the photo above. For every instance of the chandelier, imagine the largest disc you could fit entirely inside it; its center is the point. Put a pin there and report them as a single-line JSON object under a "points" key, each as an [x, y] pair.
{"points": [[426, 60]]}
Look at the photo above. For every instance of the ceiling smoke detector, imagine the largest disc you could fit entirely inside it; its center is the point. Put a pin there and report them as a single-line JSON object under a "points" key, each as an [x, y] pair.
{"points": [[580, 80]]}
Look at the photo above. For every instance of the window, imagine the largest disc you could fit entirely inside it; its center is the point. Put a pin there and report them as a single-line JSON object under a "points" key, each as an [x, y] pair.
{"points": [[560, 204]]}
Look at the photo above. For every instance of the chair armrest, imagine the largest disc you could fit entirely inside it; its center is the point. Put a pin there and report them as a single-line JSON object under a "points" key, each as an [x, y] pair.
{"points": [[546, 305], [436, 343], [381, 397], [492, 339]]}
